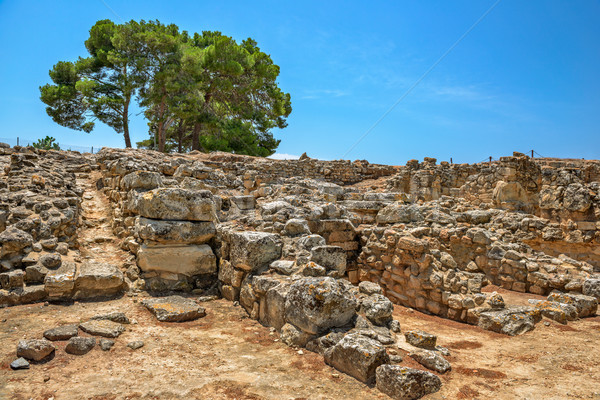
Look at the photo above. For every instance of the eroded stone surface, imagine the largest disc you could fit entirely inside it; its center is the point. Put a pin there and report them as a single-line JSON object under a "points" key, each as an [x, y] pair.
{"points": [[174, 309]]}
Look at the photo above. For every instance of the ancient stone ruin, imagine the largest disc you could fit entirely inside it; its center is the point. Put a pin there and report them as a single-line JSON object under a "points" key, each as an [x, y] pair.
{"points": [[318, 251]]}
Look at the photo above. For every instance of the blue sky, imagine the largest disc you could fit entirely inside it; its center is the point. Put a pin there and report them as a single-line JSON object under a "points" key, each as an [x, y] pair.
{"points": [[527, 77]]}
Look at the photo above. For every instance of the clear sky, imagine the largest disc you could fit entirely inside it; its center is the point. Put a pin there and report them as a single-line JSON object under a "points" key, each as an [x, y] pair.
{"points": [[526, 77]]}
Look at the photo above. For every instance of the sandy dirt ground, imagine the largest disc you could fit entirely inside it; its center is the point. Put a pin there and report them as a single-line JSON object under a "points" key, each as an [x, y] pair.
{"points": [[226, 355]]}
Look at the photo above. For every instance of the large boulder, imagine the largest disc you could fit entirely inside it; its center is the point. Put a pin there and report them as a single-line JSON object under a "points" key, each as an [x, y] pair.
{"points": [[254, 251], [186, 260], [357, 356], [173, 204], [96, 279], [35, 349], [317, 304], [402, 383], [399, 213], [174, 232]]}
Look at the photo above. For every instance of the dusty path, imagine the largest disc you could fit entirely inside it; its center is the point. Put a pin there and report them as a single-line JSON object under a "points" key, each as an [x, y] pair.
{"points": [[96, 238]]}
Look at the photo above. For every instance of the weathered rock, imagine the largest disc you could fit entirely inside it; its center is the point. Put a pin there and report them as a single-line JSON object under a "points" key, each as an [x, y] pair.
{"points": [[174, 232], [432, 360], [106, 344], [254, 251], [188, 260], [402, 383], [273, 311], [378, 309], [36, 273], [60, 283], [333, 258], [292, 336], [510, 321], [311, 241], [13, 240], [173, 204], [559, 312], [283, 267], [296, 227], [369, 288], [96, 279], [317, 304], [141, 180], [586, 305], [103, 328], [357, 356], [136, 344], [19, 363], [115, 316], [399, 213], [421, 339], [174, 309], [50, 261], [63, 332], [35, 349], [80, 345], [591, 287], [12, 279]]}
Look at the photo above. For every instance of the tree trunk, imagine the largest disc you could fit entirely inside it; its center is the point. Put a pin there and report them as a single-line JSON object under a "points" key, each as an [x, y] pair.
{"points": [[180, 136], [126, 122], [196, 136], [162, 132]]}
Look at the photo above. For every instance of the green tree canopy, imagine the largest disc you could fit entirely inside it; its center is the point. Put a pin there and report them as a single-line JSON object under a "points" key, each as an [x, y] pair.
{"points": [[201, 91]]}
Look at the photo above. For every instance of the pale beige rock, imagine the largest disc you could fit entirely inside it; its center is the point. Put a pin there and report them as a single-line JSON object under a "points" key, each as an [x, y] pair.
{"points": [[185, 260]]}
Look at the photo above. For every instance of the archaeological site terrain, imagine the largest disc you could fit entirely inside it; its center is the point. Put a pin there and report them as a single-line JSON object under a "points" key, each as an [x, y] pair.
{"points": [[134, 274]]}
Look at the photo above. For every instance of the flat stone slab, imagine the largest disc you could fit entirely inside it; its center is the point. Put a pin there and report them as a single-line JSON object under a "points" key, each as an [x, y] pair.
{"points": [[103, 328], [35, 349], [115, 316], [64, 332], [174, 309], [80, 345], [188, 260], [20, 363]]}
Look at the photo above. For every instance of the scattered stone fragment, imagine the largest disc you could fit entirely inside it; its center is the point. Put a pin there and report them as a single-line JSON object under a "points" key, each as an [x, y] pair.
{"points": [[35, 349], [510, 321], [402, 383], [20, 363], [432, 360], [421, 339], [80, 345], [103, 328], [174, 309], [64, 332], [115, 316], [135, 344], [106, 344], [378, 309]]}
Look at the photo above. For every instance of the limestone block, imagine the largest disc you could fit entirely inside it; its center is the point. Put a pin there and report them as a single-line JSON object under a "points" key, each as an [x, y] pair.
{"points": [[174, 232], [173, 204], [60, 282], [254, 251], [185, 260], [97, 279]]}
